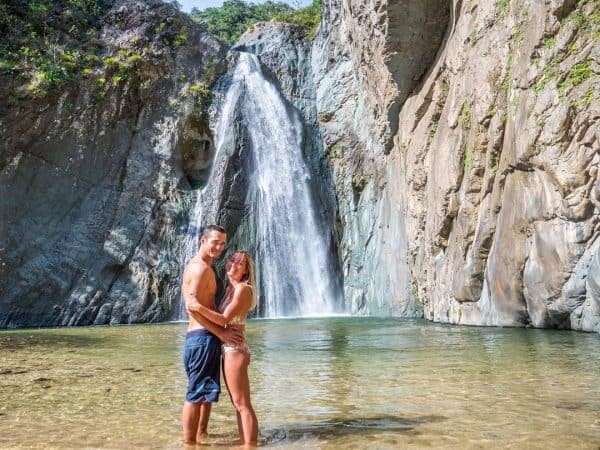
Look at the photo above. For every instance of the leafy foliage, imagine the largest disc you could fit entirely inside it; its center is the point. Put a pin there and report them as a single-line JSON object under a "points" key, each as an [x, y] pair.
{"points": [[229, 21], [306, 18], [44, 42]]}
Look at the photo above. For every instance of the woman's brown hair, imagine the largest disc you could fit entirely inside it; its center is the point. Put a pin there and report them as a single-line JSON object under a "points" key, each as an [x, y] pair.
{"points": [[249, 275]]}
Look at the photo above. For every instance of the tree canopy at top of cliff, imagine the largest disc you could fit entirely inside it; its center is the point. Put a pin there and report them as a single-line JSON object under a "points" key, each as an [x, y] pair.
{"points": [[229, 21], [46, 41]]}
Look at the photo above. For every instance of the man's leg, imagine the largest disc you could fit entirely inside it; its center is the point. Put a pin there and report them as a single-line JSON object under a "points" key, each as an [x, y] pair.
{"points": [[189, 419], [203, 423]]}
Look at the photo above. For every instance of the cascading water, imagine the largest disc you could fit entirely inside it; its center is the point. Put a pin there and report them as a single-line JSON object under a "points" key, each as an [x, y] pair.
{"points": [[226, 117], [292, 254]]}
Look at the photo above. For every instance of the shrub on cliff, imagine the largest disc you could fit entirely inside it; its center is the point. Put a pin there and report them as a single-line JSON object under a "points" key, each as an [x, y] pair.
{"points": [[306, 18], [43, 42]]}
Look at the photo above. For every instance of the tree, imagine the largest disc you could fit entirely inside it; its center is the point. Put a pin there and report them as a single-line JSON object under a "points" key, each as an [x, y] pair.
{"points": [[232, 19]]}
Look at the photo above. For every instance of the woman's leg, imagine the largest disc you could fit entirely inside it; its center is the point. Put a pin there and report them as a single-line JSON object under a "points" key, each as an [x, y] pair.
{"points": [[237, 414], [236, 376]]}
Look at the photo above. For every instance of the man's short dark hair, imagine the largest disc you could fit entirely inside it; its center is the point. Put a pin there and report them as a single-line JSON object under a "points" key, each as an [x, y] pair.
{"points": [[207, 229]]}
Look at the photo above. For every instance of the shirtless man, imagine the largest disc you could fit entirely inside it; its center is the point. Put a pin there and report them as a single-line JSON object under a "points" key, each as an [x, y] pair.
{"points": [[202, 353]]}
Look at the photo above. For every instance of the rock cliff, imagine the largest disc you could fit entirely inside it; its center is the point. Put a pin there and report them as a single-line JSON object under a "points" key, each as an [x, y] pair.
{"points": [[479, 200], [456, 144], [96, 174], [463, 142]]}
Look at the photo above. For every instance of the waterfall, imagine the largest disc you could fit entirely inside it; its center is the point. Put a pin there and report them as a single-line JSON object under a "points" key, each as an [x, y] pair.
{"points": [[292, 252], [226, 117]]}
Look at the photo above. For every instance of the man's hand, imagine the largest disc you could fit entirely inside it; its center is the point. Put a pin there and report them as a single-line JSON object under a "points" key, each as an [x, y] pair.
{"points": [[232, 336]]}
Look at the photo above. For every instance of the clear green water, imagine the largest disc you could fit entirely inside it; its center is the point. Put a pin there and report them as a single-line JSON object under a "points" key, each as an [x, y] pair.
{"points": [[317, 383]]}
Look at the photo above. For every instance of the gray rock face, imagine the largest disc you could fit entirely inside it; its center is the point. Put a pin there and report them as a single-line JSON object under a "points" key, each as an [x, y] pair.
{"points": [[95, 180], [457, 145], [486, 208], [367, 59]]}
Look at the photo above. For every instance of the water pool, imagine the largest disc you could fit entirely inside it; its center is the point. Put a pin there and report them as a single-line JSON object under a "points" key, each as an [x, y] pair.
{"points": [[323, 383]]}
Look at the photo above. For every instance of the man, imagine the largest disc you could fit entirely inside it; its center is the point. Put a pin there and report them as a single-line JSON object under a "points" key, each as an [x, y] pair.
{"points": [[202, 353]]}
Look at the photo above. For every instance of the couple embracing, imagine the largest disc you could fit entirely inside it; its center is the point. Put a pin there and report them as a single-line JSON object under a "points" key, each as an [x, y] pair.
{"points": [[212, 333]]}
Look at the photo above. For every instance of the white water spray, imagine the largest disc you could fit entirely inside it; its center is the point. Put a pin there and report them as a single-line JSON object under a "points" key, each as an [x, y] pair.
{"points": [[292, 252]]}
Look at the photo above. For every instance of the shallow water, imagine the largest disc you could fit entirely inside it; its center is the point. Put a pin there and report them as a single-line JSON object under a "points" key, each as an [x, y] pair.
{"points": [[317, 383]]}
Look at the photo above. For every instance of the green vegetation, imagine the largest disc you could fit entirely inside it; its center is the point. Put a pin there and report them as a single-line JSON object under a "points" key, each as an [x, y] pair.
{"points": [[120, 67], [502, 6], [573, 48], [180, 39], [587, 21], [229, 21], [445, 87], [583, 102], [431, 133], [550, 72], [518, 35], [306, 18], [201, 93], [45, 42], [464, 118], [469, 158], [515, 102], [495, 159], [505, 85], [336, 151], [359, 183], [576, 75], [541, 84]]}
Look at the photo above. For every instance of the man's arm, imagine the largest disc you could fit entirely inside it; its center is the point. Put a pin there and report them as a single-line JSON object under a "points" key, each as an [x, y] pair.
{"points": [[227, 335], [239, 305]]}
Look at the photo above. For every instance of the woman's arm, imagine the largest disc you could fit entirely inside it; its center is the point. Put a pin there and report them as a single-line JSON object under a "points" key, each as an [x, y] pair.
{"points": [[213, 316], [239, 305]]}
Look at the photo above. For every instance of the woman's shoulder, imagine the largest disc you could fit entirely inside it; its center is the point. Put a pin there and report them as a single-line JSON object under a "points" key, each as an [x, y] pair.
{"points": [[243, 288]]}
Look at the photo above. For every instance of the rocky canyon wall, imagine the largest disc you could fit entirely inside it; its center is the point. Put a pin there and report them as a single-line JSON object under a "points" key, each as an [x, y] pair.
{"points": [[454, 147], [96, 175], [478, 202]]}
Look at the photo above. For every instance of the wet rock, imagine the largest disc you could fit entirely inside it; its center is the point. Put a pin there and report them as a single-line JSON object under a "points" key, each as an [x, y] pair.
{"points": [[284, 52], [367, 59]]}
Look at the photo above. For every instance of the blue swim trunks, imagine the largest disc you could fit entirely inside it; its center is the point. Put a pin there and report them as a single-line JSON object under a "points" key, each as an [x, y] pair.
{"points": [[202, 361]]}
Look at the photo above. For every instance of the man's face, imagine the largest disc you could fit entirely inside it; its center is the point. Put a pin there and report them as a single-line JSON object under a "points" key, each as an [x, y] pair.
{"points": [[214, 243]]}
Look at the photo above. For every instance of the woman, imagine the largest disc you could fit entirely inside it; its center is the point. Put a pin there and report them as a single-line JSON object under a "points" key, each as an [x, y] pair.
{"points": [[239, 299]]}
